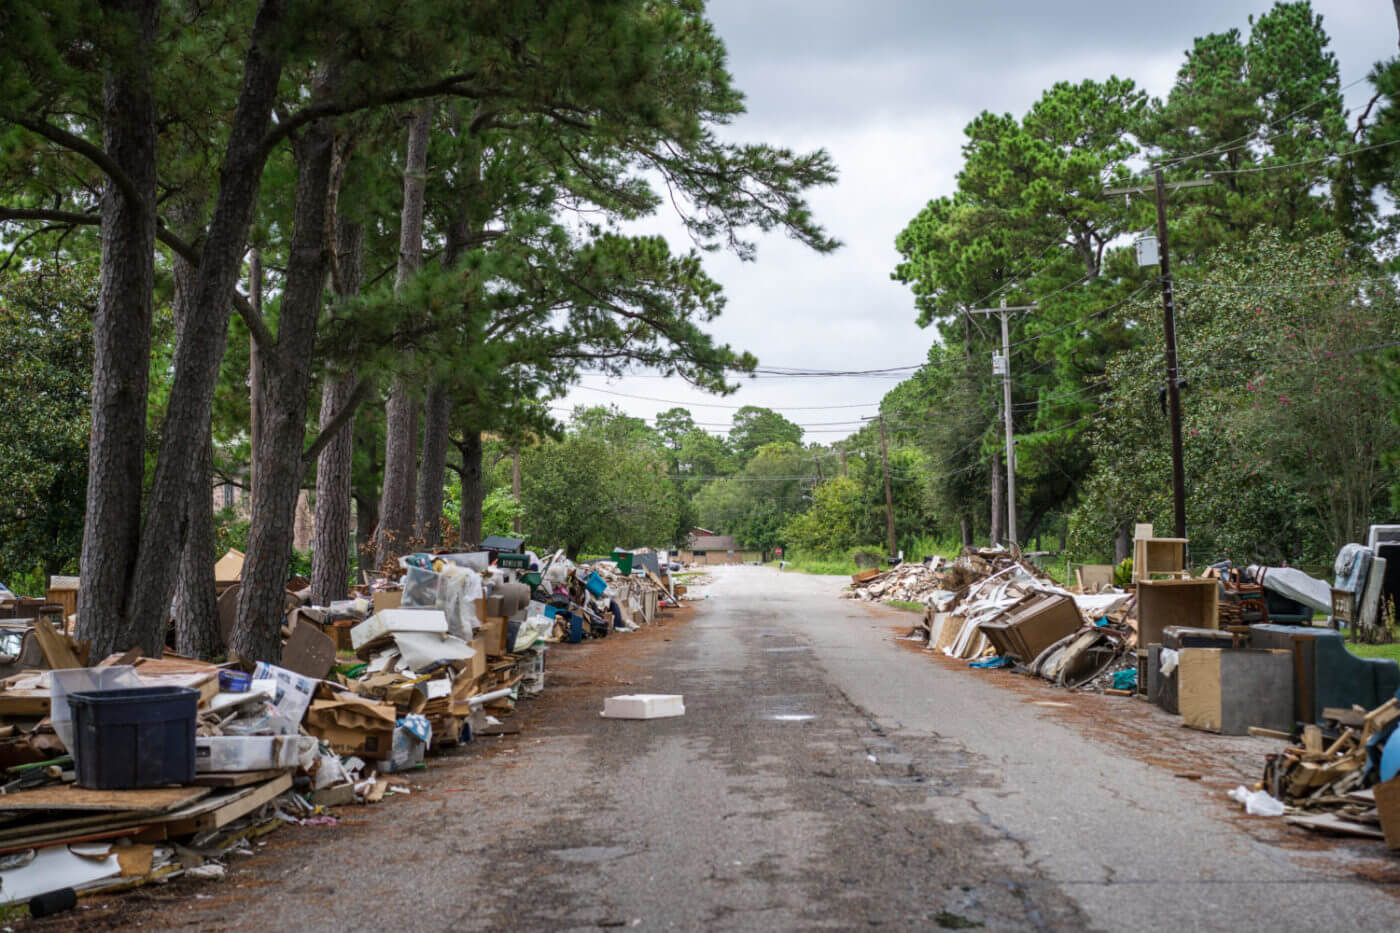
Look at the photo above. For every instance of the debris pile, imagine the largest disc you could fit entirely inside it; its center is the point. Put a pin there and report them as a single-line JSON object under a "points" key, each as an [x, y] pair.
{"points": [[992, 603], [137, 769]]}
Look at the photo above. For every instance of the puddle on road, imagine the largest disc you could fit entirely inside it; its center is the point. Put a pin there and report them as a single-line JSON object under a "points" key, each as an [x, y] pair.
{"points": [[590, 853], [907, 780], [792, 717], [788, 648]]}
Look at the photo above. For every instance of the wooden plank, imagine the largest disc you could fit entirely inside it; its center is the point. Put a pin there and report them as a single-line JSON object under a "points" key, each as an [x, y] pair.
{"points": [[1312, 738], [1261, 732], [1344, 717], [1330, 823], [94, 835], [72, 797], [24, 704], [234, 778], [239, 803], [58, 649]]}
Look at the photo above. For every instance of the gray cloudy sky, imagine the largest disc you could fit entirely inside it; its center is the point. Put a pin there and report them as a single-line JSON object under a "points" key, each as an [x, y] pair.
{"points": [[886, 86]]}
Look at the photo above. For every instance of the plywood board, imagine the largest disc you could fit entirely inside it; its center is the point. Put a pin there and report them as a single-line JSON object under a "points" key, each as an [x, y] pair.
{"points": [[234, 778], [223, 809], [72, 797]]}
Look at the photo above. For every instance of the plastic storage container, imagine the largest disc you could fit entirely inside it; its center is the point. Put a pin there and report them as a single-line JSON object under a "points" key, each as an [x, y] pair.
{"points": [[134, 737]]}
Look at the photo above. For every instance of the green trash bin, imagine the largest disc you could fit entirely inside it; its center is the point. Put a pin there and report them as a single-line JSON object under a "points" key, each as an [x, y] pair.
{"points": [[624, 561]]}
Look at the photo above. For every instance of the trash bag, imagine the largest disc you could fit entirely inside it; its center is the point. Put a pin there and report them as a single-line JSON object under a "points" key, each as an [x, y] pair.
{"points": [[420, 587]]}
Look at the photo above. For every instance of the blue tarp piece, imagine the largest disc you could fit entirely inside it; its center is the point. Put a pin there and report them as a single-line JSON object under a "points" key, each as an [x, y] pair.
{"points": [[1125, 679], [989, 663]]}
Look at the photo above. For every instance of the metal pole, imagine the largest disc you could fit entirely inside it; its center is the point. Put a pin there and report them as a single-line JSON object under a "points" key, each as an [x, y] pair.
{"points": [[1173, 392], [889, 499], [1010, 431]]}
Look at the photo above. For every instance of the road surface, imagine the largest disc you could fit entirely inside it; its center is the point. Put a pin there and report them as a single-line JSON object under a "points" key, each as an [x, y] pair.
{"points": [[825, 776]]}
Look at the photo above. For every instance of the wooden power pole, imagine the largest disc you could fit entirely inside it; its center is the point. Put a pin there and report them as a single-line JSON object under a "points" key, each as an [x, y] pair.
{"points": [[1159, 188], [1002, 366], [885, 465]]}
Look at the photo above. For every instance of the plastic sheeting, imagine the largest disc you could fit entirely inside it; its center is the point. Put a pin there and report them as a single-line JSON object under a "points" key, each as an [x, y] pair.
{"points": [[458, 590]]}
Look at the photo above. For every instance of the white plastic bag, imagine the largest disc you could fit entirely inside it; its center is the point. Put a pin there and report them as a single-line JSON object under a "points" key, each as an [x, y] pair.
{"points": [[1256, 803], [1170, 658]]}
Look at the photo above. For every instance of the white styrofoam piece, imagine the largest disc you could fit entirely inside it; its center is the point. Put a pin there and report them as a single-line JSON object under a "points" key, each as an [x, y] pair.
{"points": [[644, 706], [398, 620]]}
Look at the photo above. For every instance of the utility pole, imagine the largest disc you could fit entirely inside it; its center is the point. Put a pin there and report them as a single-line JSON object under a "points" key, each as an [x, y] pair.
{"points": [[1173, 388], [1002, 366], [515, 483], [1159, 189], [885, 465], [842, 448]]}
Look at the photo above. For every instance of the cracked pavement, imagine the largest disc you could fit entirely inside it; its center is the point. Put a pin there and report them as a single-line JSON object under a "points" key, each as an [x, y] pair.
{"points": [[825, 776]]}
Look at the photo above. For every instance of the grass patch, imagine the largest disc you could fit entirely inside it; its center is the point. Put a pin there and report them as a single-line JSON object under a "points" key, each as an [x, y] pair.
{"points": [[905, 604], [826, 566], [1391, 650]]}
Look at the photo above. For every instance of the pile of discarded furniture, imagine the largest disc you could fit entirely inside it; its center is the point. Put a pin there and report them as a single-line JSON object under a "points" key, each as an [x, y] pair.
{"points": [[130, 769]]}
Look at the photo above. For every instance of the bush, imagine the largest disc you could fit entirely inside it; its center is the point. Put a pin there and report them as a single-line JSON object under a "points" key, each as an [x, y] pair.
{"points": [[866, 557]]}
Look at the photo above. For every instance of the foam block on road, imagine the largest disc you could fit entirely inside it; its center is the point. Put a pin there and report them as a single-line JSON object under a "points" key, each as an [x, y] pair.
{"points": [[644, 706]]}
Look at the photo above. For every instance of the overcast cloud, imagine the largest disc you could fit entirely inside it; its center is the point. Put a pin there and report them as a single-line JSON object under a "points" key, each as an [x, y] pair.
{"points": [[886, 86]]}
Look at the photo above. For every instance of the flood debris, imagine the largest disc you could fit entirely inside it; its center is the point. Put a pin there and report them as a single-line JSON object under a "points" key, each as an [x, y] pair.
{"points": [[129, 769]]}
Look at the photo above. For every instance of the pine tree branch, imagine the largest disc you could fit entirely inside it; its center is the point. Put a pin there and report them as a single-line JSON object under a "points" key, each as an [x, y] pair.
{"points": [[454, 85], [334, 426], [257, 327], [82, 147]]}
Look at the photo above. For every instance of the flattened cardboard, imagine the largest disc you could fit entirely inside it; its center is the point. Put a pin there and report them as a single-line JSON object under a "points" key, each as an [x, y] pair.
{"points": [[352, 725], [309, 652]]}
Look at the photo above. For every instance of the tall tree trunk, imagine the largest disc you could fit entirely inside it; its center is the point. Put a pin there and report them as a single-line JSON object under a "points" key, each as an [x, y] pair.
{"points": [[121, 335], [255, 284], [437, 417], [998, 499], [432, 472], [1123, 543], [330, 558], [196, 605], [286, 383], [965, 525], [472, 495], [366, 523], [135, 612], [396, 508], [196, 608]]}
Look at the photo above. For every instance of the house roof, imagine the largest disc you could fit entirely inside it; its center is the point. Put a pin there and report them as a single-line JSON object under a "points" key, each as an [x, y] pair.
{"points": [[713, 543]]}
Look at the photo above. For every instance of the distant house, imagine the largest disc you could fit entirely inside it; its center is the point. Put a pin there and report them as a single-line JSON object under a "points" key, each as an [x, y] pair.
{"points": [[716, 549]]}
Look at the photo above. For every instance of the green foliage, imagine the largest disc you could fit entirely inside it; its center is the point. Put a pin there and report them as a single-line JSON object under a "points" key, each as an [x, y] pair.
{"points": [[46, 348], [755, 427], [831, 524], [597, 489]]}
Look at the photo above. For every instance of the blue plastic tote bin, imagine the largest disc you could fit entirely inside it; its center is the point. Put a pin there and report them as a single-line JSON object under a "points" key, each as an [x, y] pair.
{"points": [[136, 737]]}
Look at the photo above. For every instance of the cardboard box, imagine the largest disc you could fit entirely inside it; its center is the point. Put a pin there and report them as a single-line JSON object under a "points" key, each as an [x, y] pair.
{"points": [[222, 753], [1227, 690], [493, 632], [387, 599], [352, 725], [495, 606], [478, 662]]}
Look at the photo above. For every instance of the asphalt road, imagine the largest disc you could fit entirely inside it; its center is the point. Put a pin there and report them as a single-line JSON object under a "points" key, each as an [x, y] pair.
{"points": [[825, 776]]}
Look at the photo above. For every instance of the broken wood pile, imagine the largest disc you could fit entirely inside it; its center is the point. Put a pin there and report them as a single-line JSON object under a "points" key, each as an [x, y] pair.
{"points": [[1323, 780], [1318, 773]]}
